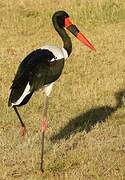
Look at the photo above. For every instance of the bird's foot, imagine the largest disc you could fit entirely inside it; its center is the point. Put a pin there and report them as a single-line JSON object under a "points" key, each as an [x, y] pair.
{"points": [[42, 171], [23, 132], [43, 125]]}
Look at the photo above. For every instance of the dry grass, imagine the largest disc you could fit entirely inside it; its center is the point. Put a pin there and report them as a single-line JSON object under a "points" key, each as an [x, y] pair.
{"points": [[86, 137]]}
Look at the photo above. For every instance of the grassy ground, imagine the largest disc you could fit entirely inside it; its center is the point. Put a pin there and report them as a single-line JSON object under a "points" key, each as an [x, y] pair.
{"points": [[86, 137]]}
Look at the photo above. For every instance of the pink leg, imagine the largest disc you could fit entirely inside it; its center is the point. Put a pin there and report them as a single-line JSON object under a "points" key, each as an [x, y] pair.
{"points": [[23, 127], [43, 125], [23, 131]]}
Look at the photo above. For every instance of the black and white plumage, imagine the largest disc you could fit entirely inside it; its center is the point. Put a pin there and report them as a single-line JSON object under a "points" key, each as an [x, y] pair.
{"points": [[38, 70], [42, 67]]}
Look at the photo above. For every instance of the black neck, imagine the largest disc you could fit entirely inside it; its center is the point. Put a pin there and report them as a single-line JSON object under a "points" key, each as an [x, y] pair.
{"points": [[67, 44]]}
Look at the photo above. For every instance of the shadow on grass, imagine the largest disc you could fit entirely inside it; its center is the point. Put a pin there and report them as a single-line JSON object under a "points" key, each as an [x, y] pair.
{"points": [[86, 121]]}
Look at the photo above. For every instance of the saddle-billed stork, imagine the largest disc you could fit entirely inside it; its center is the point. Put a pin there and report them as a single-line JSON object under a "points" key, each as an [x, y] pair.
{"points": [[41, 68]]}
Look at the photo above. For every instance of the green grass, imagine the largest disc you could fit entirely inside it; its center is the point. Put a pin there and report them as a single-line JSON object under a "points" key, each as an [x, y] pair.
{"points": [[85, 136]]}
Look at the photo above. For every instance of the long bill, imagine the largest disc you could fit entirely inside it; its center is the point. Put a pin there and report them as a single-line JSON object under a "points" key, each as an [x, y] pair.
{"points": [[75, 31]]}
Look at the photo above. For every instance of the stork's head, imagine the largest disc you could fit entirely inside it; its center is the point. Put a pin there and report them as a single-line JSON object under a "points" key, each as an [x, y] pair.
{"points": [[63, 21]]}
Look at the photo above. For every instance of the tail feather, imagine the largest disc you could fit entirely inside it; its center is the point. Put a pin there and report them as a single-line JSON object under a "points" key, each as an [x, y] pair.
{"points": [[19, 95], [26, 99]]}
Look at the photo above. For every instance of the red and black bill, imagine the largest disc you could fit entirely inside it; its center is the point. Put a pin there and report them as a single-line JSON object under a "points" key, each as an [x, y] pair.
{"points": [[75, 31]]}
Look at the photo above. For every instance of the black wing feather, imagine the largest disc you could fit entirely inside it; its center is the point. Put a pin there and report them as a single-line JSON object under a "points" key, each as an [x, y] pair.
{"points": [[38, 70]]}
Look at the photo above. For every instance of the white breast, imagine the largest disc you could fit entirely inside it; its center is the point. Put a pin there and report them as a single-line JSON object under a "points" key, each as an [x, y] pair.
{"points": [[47, 89], [59, 53]]}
